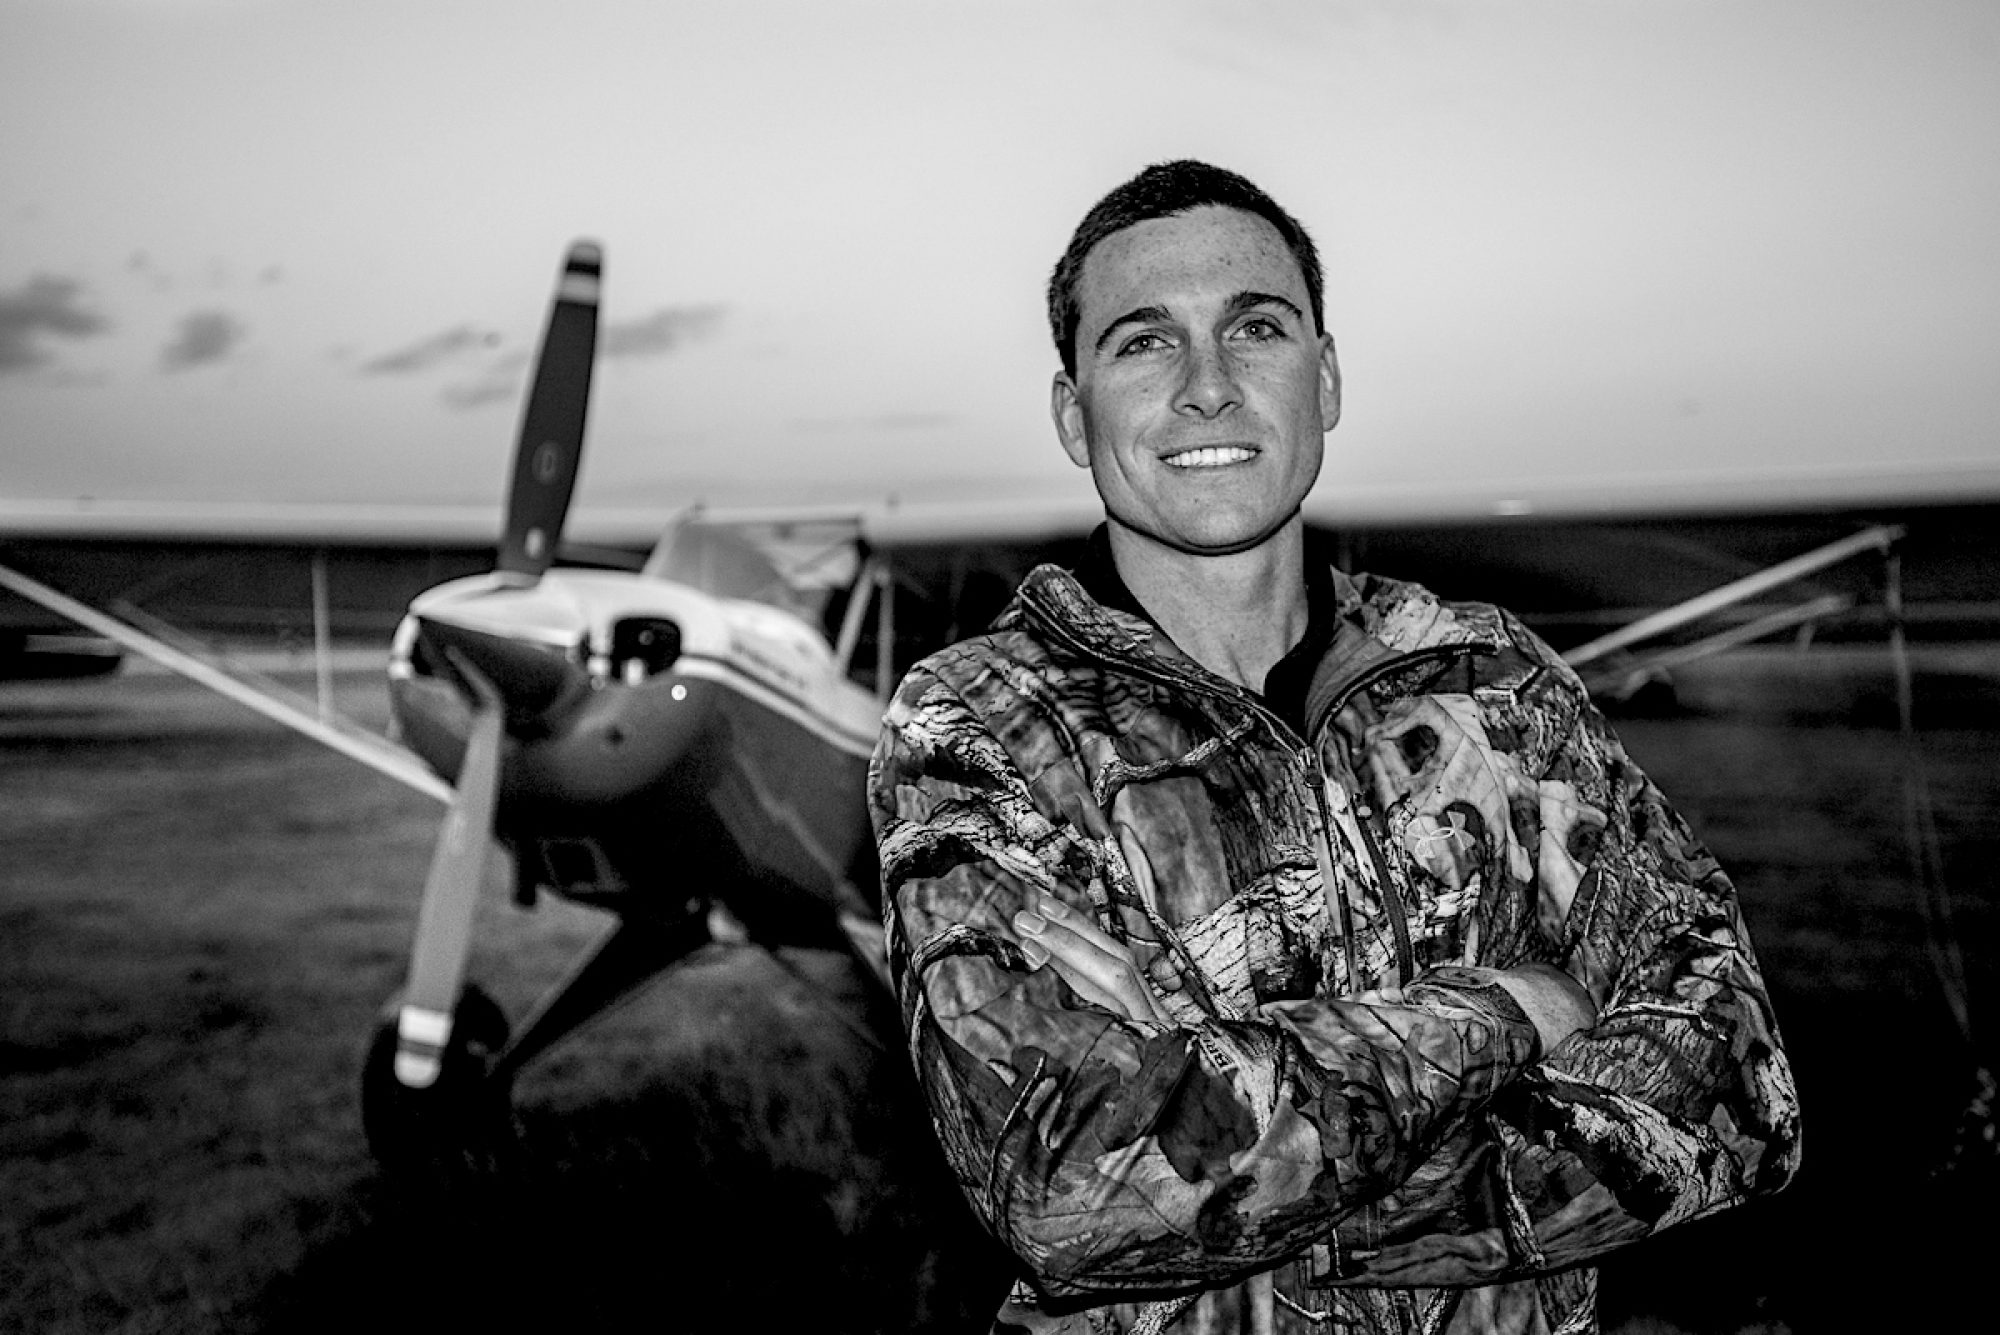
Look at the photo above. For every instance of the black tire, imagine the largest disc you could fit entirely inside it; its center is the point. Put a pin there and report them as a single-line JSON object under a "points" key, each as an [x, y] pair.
{"points": [[459, 1126]]}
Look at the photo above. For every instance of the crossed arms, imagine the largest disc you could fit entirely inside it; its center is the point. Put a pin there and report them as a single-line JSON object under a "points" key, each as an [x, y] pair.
{"points": [[1471, 1126], [1107, 973]]}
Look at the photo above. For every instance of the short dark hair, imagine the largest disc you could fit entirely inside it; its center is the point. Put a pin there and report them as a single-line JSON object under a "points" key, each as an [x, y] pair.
{"points": [[1162, 191]]}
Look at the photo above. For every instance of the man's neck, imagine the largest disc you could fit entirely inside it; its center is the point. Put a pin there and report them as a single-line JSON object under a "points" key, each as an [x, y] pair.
{"points": [[1236, 615]]}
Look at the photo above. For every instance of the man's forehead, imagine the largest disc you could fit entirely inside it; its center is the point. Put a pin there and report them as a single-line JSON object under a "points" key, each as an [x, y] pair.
{"points": [[1211, 252]]}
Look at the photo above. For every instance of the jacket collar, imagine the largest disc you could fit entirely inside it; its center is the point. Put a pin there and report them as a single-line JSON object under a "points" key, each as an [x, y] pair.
{"points": [[1098, 573], [1286, 689], [1376, 621]]}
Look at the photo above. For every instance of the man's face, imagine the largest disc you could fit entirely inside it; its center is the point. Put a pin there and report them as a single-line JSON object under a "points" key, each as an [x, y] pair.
{"points": [[1202, 390]]}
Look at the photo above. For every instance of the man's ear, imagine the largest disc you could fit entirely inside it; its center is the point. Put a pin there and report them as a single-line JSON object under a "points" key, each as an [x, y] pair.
{"points": [[1066, 410], [1329, 384]]}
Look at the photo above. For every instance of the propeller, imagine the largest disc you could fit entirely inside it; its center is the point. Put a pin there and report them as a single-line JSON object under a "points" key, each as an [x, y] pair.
{"points": [[506, 678], [551, 444]]}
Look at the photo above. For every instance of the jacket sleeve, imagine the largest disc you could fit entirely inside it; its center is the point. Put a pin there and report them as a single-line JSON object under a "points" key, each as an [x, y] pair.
{"points": [[1121, 1157], [1678, 1103]]}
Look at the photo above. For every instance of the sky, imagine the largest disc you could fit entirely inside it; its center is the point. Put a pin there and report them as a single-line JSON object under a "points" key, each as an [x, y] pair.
{"points": [[301, 251]]}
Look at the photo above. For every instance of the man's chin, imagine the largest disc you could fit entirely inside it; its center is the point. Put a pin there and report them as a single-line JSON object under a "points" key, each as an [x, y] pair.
{"points": [[1218, 537]]}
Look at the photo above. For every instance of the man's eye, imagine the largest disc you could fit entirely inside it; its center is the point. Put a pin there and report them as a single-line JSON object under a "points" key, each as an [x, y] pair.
{"points": [[1260, 327], [1148, 342]]}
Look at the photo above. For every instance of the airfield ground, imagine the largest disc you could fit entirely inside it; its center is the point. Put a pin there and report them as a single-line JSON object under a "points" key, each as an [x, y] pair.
{"points": [[199, 915]]}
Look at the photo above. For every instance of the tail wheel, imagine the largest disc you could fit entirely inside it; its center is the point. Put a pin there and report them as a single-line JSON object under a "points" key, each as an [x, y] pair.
{"points": [[459, 1123]]}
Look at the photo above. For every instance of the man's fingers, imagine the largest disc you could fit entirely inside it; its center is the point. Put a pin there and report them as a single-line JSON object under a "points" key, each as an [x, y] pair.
{"points": [[1056, 911], [1096, 967], [1163, 971]]}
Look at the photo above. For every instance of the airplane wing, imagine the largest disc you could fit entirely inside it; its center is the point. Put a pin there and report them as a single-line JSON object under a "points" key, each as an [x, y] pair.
{"points": [[1575, 558]]}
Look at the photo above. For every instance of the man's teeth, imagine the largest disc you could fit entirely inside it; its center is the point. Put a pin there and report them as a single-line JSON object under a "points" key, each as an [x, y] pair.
{"points": [[1214, 456]]}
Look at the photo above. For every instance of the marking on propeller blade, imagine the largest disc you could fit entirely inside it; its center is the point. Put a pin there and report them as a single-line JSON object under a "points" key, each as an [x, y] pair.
{"points": [[421, 1034], [548, 461], [421, 1024]]}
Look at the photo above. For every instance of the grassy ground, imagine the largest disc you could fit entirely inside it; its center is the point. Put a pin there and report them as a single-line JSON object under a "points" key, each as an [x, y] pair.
{"points": [[198, 919], [1793, 771], [199, 916]]}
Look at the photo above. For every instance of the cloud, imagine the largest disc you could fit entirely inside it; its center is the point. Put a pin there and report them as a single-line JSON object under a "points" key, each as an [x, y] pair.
{"points": [[432, 351], [659, 333], [479, 393], [499, 383], [500, 379], [203, 337], [651, 336], [42, 307]]}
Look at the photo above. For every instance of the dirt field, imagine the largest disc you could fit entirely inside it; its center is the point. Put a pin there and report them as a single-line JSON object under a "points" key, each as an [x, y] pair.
{"points": [[200, 914]]}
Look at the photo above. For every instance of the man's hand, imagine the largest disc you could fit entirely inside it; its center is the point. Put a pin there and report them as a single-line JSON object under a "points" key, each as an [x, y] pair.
{"points": [[1096, 967], [1556, 1002]]}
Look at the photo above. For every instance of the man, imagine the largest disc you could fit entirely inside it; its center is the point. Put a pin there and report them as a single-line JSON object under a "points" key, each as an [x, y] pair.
{"points": [[1279, 950]]}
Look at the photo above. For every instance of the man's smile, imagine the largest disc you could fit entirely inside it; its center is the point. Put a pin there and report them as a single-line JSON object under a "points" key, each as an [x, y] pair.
{"points": [[1209, 456]]}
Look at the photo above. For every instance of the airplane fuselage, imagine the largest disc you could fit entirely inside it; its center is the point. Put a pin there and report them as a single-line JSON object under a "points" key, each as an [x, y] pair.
{"points": [[662, 743]]}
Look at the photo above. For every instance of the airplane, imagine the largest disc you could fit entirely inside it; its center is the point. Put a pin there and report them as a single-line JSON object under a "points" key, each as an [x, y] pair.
{"points": [[682, 740], [654, 744]]}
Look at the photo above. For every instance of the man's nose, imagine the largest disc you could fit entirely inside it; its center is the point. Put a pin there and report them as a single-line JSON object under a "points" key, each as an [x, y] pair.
{"points": [[1208, 385]]}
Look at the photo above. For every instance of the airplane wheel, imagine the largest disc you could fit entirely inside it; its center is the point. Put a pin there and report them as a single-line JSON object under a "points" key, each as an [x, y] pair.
{"points": [[459, 1125]]}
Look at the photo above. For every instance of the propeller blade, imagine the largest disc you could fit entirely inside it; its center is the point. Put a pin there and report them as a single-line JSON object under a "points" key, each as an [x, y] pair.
{"points": [[551, 444], [451, 894]]}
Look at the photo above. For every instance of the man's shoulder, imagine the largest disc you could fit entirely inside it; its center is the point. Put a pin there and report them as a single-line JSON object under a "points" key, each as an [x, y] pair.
{"points": [[1005, 649], [1406, 616], [1023, 637], [1507, 658], [1051, 653]]}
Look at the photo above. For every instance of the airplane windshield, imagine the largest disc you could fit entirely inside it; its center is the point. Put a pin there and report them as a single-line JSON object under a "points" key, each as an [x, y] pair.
{"points": [[794, 567]]}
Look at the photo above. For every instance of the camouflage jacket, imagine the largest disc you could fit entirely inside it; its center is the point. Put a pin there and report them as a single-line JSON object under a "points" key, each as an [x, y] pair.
{"points": [[1283, 1158]]}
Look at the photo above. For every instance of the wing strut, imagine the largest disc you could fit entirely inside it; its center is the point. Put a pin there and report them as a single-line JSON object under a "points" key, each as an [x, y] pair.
{"points": [[885, 634], [1611, 667], [865, 585], [364, 747], [1879, 538]]}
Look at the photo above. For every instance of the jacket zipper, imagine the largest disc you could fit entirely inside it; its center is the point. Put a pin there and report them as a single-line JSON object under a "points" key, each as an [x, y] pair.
{"points": [[1393, 899], [1406, 962], [1330, 883]]}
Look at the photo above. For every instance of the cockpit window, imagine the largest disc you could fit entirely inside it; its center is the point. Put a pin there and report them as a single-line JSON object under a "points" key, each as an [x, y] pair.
{"points": [[789, 566], [644, 646]]}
